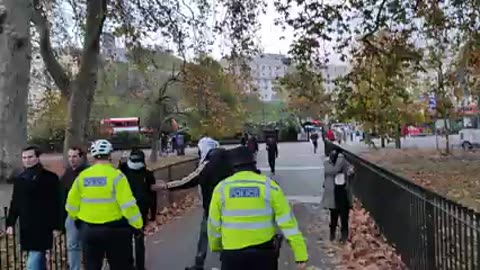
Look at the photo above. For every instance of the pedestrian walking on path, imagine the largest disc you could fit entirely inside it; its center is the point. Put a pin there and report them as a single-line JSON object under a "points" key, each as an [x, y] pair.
{"points": [[214, 168], [272, 153], [330, 135], [36, 203], [252, 145], [337, 196], [141, 181], [105, 211], [314, 138], [245, 211], [76, 163]]}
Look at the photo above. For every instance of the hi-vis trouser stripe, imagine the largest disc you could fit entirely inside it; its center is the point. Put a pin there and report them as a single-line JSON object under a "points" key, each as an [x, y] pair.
{"points": [[267, 211]]}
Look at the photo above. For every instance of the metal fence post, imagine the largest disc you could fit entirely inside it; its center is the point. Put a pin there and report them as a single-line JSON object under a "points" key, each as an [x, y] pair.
{"points": [[7, 257], [1, 249], [169, 194], [430, 227]]}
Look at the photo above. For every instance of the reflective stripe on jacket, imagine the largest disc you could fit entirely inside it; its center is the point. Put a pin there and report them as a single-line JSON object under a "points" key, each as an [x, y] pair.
{"points": [[244, 210], [101, 194]]}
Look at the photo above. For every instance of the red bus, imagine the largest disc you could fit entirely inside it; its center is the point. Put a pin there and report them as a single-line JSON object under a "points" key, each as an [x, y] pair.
{"points": [[112, 126]]}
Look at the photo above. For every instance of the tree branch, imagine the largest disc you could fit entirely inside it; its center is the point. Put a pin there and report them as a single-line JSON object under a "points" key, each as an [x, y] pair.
{"points": [[96, 15], [377, 21], [58, 73]]}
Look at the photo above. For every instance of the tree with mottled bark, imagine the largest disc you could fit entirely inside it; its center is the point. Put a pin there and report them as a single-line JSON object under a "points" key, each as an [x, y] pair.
{"points": [[15, 53], [80, 89]]}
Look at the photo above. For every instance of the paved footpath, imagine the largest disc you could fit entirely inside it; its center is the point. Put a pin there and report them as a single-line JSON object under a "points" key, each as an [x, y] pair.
{"points": [[300, 174]]}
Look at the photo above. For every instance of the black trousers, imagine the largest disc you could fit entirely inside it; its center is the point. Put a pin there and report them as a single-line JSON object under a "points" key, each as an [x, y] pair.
{"points": [[271, 162], [100, 241], [315, 146], [335, 215], [251, 259], [341, 210], [140, 244], [140, 252], [202, 245]]}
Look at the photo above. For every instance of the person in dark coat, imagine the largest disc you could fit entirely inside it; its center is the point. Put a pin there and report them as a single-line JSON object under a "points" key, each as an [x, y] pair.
{"points": [[252, 145], [76, 163], [141, 181], [36, 203], [215, 167], [314, 138], [337, 196], [272, 153]]}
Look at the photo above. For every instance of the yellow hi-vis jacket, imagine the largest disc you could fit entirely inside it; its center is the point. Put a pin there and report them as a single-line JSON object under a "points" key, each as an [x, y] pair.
{"points": [[101, 194], [244, 210]]}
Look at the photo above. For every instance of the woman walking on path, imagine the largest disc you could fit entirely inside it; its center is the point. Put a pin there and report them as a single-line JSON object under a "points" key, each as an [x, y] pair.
{"points": [[337, 196]]}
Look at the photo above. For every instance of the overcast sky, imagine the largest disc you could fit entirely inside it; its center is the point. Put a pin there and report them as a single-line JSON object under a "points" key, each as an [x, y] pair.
{"points": [[269, 36]]}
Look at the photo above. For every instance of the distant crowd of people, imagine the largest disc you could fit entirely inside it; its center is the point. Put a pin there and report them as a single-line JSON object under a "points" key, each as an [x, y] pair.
{"points": [[171, 144]]}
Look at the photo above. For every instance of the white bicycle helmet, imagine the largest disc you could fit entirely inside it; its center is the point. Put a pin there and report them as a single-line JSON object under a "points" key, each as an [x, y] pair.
{"points": [[101, 147]]}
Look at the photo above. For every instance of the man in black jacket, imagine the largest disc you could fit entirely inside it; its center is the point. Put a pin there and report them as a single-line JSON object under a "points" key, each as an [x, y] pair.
{"points": [[141, 181], [272, 152], [215, 167], [76, 164], [36, 203]]}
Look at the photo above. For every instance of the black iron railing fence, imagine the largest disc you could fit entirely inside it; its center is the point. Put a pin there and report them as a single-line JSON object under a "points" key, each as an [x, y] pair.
{"points": [[13, 258], [428, 230]]}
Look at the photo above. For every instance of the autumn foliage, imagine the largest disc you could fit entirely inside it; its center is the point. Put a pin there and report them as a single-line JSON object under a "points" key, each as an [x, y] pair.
{"points": [[213, 98], [378, 92], [305, 94]]}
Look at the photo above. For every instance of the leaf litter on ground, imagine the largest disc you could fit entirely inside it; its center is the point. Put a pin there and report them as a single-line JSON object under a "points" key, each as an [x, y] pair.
{"points": [[454, 176]]}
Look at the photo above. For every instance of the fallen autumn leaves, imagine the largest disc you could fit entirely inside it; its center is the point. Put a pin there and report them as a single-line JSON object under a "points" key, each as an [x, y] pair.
{"points": [[367, 249], [454, 176], [171, 212]]}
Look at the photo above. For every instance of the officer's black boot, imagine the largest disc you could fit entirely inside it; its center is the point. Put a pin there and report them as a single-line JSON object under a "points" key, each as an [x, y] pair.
{"points": [[199, 261]]}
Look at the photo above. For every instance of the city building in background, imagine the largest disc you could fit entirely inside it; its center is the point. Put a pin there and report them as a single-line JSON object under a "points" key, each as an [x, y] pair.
{"points": [[265, 69], [109, 49], [332, 72]]}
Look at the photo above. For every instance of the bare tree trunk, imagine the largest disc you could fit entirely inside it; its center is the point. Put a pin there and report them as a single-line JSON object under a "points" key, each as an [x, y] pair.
{"points": [[15, 54], [78, 112], [155, 138], [398, 136], [83, 89], [79, 91], [447, 139]]}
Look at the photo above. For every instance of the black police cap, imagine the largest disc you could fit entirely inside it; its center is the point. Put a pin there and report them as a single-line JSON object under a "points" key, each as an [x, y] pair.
{"points": [[241, 156], [137, 155]]}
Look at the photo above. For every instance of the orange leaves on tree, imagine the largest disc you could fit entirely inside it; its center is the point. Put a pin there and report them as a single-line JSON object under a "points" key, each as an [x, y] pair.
{"points": [[214, 99], [305, 93]]}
